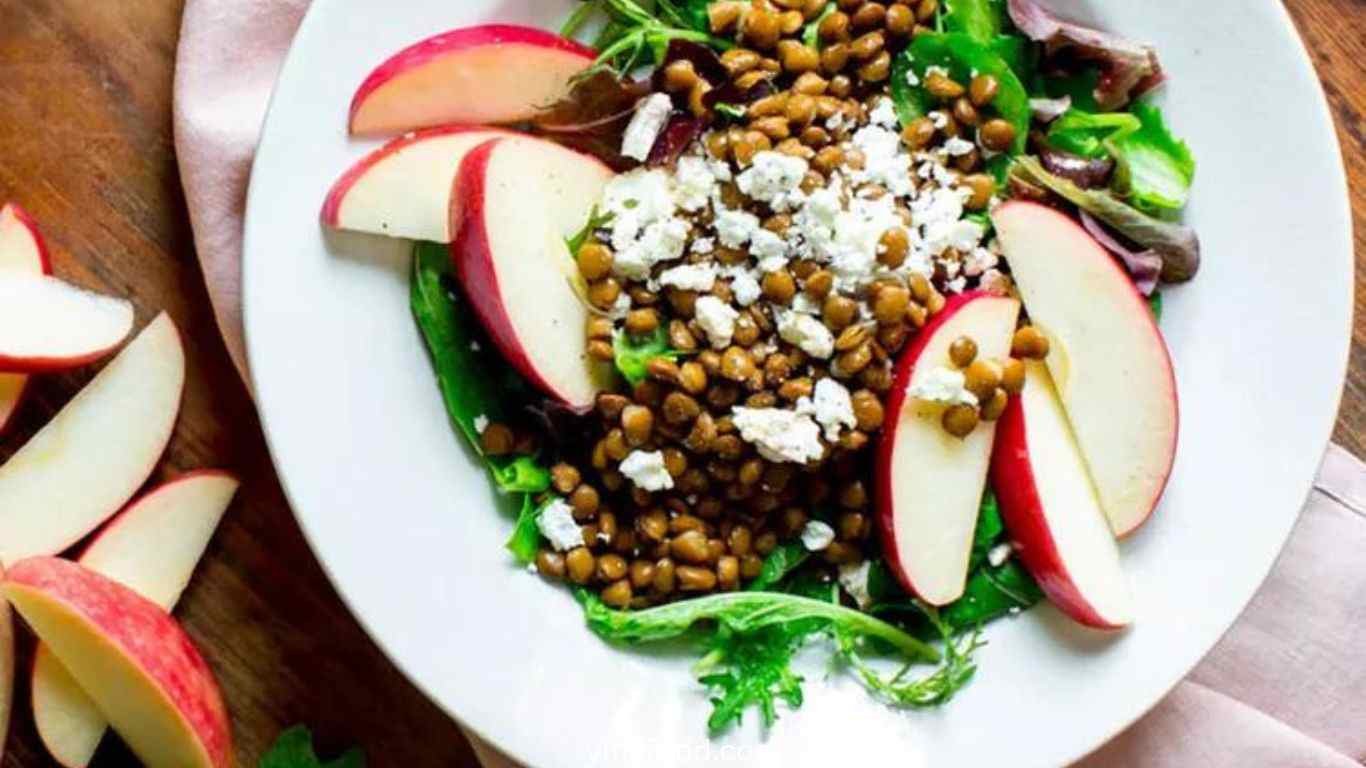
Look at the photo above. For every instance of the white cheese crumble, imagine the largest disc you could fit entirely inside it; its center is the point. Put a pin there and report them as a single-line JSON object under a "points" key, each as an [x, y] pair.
{"points": [[832, 407], [998, 555], [957, 146], [694, 184], [735, 228], [690, 277], [885, 160], [647, 470], [778, 434], [558, 526], [703, 245], [645, 229], [854, 578], [772, 178], [817, 535], [884, 114], [652, 113], [474, 346], [481, 423], [807, 333], [745, 287], [716, 318], [943, 385]]}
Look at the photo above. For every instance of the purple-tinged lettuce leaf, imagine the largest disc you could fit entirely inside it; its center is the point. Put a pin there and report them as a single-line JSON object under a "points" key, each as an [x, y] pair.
{"points": [[1127, 69], [1145, 267], [680, 132], [1085, 172]]}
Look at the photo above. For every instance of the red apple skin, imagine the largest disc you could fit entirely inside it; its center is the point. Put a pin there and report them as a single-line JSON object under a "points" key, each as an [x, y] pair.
{"points": [[144, 632], [1012, 477], [332, 204], [31, 365], [1140, 306], [9, 404], [905, 368], [472, 256], [454, 42]]}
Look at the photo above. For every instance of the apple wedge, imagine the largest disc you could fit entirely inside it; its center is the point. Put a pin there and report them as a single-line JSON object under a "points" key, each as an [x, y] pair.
{"points": [[176, 521], [403, 189], [49, 325], [1051, 510], [518, 201], [930, 483], [95, 453], [23, 251], [1107, 358], [494, 73], [136, 663]]}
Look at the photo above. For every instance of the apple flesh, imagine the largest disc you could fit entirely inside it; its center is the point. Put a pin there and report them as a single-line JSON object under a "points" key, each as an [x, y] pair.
{"points": [[175, 521], [518, 201], [135, 662], [494, 73], [96, 452], [1107, 358], [403, 189], [22, 251], [930, 483], [49, 325], [1051, 510]]}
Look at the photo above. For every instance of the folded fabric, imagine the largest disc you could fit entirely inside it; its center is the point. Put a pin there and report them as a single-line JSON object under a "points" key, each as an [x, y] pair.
{"points": [[1283, 688]]}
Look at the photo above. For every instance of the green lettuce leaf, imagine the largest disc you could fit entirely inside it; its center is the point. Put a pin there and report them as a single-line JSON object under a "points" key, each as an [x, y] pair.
{"points": [[1154, 169], [963, 56], [1084, 133], [782, 561], [982, 20], [522, 474], [632, 355], [294, 749], [526, 536]]}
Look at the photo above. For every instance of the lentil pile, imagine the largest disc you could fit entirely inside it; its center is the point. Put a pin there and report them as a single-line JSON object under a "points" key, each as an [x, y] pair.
{"points": [[788, 256]]}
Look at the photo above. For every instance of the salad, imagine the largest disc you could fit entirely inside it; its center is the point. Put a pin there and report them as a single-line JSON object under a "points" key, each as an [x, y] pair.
{"points": [[796, 322]]}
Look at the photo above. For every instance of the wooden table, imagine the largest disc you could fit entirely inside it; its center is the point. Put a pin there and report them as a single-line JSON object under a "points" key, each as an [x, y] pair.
{"points": [[85, 146]]}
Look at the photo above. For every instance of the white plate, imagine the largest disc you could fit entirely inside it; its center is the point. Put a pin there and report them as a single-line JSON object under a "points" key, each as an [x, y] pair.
{"points": [[406, 525]]}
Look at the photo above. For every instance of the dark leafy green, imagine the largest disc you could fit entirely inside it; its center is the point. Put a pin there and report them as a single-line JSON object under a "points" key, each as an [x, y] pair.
{"points": [[632, 355], [526, 536], [992, 593], [778, 565], [989, 530], [962, 56], [982, 20], [294, 749], [636, 35]]}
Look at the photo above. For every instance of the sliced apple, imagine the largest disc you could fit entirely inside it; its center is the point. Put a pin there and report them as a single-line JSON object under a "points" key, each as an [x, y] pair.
{"points": [[95, 453], [1051, 509], [518, 201], [6, 671], [49, 325], [175, 521], [494, 73], [136, 663], [403, 189], [1107, 358], [22, 250], [930, 483]]}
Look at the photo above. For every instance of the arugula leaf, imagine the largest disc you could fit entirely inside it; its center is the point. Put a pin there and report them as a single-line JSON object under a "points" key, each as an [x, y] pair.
{"points": [[1084, 133], [474, 379], [294, 749], [990, 529], [811, 34], [1155, 169], [963, 56], [632, 356], [990, 594], [783, 560], [522, 474], [526, 536], [635, 33], [596, 221]]}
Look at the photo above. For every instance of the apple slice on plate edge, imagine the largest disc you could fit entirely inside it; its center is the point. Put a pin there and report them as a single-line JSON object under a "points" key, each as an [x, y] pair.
{"points": [[22, 251], [176, 520]]}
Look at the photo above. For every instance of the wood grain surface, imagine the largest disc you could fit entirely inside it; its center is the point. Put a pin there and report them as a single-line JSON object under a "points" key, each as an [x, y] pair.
{"points": [[86, 147]]}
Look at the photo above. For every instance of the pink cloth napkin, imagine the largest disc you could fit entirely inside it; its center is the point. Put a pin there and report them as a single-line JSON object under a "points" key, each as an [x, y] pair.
{"points": [[1286, 687]]}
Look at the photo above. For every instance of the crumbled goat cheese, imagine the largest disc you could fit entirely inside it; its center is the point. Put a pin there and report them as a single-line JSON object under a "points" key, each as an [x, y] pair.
{"points": [[957, 147], [834, 122], [735, 228], [911, 78], [481, 423], [854, 578], [694, 183], [703, 245], [807, 333], [832, 407], [652, 113], [979, 261], [778, 434], [558, 526], [620, 307], [956, 285], [943, 385], [474, 346], [745, 287], [884, 114], [644, 229], [772, 178], [817, 535], [716, 318], [765, 245], [885, 161], [995, 281], [690, 277], [939, 119], [935, 69], [647, 470], [999, 554]]}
